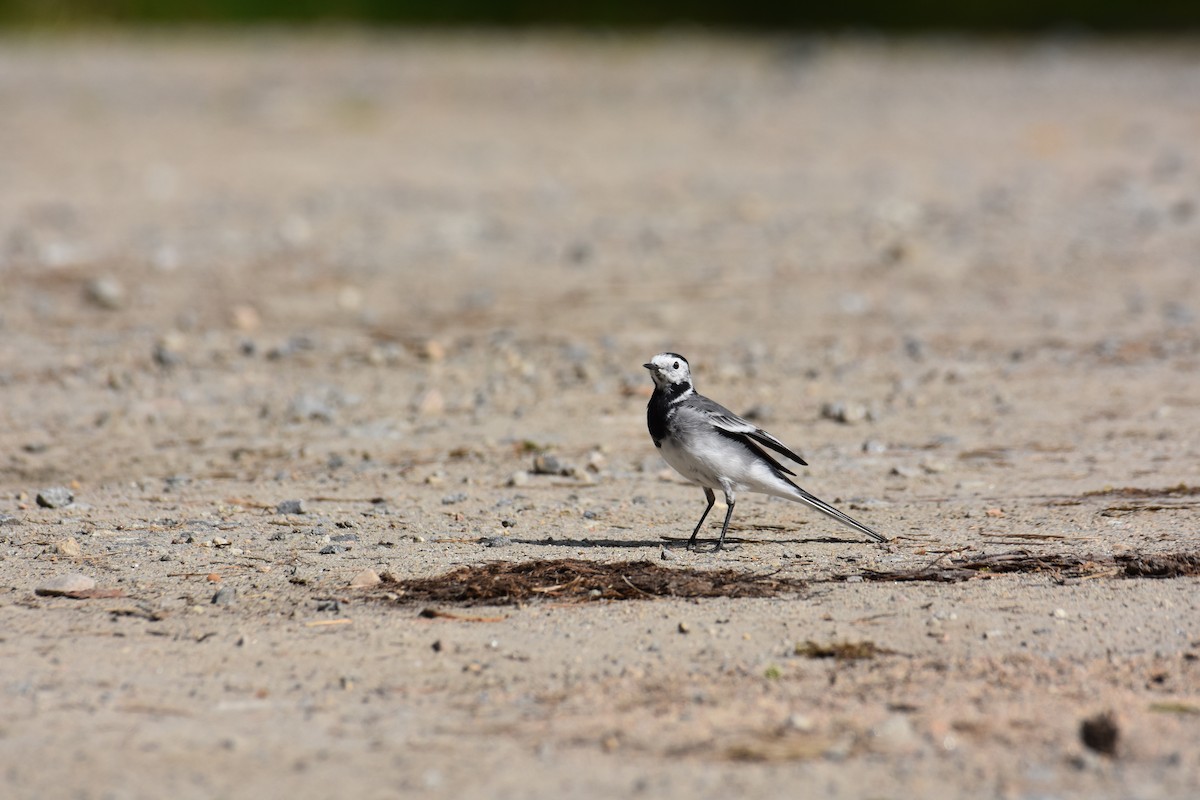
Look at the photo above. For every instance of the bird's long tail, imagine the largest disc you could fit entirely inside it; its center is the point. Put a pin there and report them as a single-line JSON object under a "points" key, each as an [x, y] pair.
{"points": [[802, 496]]}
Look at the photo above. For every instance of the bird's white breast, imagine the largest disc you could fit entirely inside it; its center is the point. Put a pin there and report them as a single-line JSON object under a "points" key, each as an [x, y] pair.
{"points": [[713, 461]]}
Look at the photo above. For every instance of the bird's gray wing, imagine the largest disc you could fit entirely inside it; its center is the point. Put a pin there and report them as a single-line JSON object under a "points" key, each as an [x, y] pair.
{"points": [[725, 420]]}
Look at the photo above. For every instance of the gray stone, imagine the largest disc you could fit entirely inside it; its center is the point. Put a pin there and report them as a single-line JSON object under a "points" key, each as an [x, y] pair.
{"points": [[169, 350], [547, 464], [306, 407], [224, 596], [290, 507], [331, 549], [760, 413], [451, 499], [497, 541], [55, 497]]}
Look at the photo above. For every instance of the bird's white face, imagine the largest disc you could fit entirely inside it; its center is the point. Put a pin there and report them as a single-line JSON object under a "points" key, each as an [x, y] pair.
{"points": [[669, 369]]}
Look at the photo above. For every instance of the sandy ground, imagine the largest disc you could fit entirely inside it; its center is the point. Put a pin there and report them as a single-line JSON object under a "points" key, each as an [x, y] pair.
{"points": [[381, 274]]}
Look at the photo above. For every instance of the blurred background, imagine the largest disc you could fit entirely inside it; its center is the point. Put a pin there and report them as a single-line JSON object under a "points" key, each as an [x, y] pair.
{"points": [[925, 15], [460, 213]]}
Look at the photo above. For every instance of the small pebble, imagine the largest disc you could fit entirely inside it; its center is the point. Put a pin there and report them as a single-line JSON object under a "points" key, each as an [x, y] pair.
{"points": [[290, 507], [331, 549], [665, 554], [547, 464], [368, 577], [245, 318], [55, 497], [224, 596], [1101, 733], [431, 404], [518, 478], [684, 627], [432, 350], [896, 735], [169, 349], [497, 541], [451, 499], [844, 412], [68, 547], [66, 584], [915, 348], [760, 413], [105, 293], [801, 723], [305, 407]]}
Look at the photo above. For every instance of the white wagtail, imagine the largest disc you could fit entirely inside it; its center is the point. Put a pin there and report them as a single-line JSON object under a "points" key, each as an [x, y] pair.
{"points": [[710, 445]]}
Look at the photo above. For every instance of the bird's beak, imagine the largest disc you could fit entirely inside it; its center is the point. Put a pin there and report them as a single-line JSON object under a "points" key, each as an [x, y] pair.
{"points": [[648, 366]]}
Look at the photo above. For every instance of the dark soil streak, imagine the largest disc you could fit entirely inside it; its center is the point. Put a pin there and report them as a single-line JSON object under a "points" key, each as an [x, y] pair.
{"points": [[577, 581]]}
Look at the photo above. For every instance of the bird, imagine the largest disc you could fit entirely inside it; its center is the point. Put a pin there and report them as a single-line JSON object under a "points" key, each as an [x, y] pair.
{"points": [[710, 445]]}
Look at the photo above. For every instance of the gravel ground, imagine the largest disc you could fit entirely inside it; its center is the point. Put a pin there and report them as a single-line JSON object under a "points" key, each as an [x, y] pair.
{"points": [[280, 309]]}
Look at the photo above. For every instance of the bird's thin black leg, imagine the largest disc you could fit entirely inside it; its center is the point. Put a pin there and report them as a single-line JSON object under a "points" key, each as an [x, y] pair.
{"points": [[712, 498], [725, 527]]}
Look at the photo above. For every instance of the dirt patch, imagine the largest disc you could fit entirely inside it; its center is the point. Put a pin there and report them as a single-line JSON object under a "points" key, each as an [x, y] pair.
{"points": [[1180, 565], [578, 581], [1065, 565], [842, 651], [1182, 490]]}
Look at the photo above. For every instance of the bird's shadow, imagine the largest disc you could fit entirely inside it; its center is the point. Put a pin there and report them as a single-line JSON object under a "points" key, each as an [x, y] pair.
{"points": [[702, 543], [628, 543], [738, 540]]}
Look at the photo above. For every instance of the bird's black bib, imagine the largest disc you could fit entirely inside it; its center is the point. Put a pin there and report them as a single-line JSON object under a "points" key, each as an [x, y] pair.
{"points": [[659, 410]]}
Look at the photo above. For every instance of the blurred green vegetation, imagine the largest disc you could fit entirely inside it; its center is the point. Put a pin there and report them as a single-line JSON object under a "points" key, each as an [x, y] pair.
{"points": [[915, 15]]}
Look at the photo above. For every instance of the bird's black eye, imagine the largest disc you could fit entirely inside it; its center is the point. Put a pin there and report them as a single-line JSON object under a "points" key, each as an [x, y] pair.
{"points": [[675, 365]]}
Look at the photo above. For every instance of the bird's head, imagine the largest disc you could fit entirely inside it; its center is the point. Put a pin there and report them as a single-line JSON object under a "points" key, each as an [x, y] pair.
{"points": [[669, 369]]}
